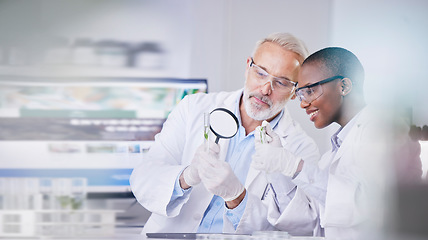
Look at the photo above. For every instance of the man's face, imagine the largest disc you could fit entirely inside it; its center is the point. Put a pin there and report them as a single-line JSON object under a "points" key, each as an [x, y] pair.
{"points": [[327, 108], [260, 101]]}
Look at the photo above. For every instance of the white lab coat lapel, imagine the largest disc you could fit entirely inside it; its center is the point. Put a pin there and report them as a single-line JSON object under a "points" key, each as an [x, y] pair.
{"points": [[352, 135], [347, 143], [283, 124]]}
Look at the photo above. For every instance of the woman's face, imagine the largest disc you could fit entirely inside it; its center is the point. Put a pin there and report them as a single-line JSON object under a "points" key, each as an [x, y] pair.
{"points": [[327, 108]]}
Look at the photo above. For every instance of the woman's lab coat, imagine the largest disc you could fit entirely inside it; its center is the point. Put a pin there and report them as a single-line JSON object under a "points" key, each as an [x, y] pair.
{"points": [[357, 180], [153, 181]]}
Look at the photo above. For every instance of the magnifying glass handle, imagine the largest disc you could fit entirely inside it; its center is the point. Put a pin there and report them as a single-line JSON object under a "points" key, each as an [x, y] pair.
{"points": [[206, 131], [216, 140]]}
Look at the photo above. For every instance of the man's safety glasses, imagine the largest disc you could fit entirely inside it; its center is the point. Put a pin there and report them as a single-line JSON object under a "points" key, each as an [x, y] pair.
{"points": [[313, 91], [279, 84]]}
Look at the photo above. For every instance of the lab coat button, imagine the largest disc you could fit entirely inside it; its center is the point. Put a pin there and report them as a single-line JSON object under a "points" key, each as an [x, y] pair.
{"points": [[197, 216], [311, 181]]}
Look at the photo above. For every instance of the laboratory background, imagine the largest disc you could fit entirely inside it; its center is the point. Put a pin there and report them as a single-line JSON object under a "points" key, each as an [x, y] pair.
{"points": [[86, 85]]}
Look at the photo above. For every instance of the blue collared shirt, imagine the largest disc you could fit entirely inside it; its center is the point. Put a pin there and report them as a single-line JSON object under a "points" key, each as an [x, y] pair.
{"points": [[239, 156]]}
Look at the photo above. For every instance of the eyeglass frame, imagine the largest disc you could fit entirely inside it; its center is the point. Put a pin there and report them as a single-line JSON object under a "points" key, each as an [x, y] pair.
{"points": [[274, 77], [330, 79]]}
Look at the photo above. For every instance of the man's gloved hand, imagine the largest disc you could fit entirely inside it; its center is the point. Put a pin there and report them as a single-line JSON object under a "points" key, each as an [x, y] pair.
{"points": [[191, 173], [219, 178], [270, 156]]}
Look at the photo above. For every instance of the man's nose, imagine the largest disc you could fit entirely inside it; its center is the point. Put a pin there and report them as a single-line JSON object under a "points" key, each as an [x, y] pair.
{"points": [[267, 88]]}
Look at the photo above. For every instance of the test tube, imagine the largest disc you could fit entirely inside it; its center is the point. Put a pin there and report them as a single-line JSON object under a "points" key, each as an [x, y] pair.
{"points": [[263, 132], [206, 131]]}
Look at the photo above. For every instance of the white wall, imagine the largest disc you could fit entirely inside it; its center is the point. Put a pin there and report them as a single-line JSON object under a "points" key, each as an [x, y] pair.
{"points": [[390, 38]]}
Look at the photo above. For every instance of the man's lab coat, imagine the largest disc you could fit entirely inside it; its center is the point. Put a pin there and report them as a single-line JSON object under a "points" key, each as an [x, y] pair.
{"points": [[153, 181]]}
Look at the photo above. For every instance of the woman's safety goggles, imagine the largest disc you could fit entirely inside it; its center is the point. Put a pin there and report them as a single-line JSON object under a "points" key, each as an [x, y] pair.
{"points": [[313, 91]]}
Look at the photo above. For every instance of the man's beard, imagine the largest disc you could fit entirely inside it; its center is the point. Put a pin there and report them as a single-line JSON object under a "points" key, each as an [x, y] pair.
{"points": [[256, 111]]}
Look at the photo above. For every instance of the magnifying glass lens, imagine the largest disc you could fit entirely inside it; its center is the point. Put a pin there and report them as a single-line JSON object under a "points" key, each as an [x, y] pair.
{"points": [[224, 124]]}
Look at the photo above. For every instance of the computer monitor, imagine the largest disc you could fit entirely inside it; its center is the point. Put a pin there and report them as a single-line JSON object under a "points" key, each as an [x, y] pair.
{"points": [[95, 128]]}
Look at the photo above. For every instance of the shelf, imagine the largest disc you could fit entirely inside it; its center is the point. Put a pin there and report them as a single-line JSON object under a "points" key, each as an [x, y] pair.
{"points": [[84, 211], [30, 223], [79, 71]]}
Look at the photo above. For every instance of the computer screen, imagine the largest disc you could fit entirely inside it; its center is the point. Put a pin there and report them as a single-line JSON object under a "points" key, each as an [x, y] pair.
{"points": [[94, 128]]}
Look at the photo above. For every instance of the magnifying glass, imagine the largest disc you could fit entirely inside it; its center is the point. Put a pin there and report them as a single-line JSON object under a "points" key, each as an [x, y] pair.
{"points": [[223, 123]]}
